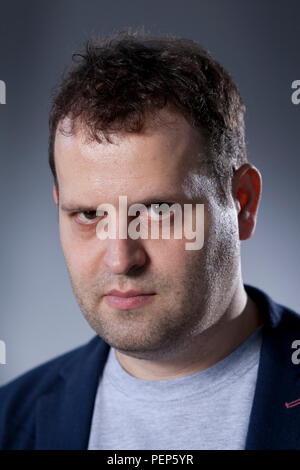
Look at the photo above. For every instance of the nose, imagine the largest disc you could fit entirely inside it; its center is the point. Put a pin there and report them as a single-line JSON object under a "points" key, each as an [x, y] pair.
{"points": [[123, 255]]}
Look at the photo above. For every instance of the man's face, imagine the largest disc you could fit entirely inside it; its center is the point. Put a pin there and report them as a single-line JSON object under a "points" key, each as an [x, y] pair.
{"points": [[192, 287]]}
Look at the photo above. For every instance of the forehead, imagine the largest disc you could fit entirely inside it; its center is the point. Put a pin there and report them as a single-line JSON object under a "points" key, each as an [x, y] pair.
{"points": [[162, 158]]}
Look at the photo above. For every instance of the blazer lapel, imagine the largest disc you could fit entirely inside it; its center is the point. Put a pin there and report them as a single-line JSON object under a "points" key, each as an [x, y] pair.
{"points": [[64, 415], [274, 419]]}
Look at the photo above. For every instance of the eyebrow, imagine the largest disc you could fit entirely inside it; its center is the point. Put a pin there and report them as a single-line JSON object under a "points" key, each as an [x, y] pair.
{"points": [[172, 198], [74, 208]]}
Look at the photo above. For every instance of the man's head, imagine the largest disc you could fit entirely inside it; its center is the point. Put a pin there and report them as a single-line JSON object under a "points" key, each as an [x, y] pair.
{"points": [[117, 82], [157, 120]]}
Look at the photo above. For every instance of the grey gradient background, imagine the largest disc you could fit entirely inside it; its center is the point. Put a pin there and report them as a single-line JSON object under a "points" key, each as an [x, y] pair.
{"points": [[258, 43]]}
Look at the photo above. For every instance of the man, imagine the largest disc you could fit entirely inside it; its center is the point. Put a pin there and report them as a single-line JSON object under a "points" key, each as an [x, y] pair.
{"points": [[185, 355]]}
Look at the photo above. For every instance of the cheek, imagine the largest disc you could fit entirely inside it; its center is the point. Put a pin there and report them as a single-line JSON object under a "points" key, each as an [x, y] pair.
{"points": [[83, 253], [222, 247], [174, 256], [168, 257]]}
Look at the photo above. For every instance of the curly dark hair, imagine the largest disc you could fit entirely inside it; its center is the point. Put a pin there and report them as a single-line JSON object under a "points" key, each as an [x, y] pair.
{"points": [[118, 80]]}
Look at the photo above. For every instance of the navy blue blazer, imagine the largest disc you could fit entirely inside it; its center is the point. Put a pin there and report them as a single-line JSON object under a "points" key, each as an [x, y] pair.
{"points": [[51, 406]]}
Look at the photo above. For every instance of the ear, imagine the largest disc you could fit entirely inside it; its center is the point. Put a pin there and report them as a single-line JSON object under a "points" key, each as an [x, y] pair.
{"points": [[55, 194], [246, 191]]}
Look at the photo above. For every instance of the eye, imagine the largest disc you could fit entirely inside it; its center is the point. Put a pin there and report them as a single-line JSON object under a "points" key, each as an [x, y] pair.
{"points": [[87, 217], [159, 210]]}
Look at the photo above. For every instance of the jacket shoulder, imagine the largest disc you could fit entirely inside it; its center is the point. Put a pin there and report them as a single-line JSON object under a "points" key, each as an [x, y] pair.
{"points": [[275, 315], [18, 397]]}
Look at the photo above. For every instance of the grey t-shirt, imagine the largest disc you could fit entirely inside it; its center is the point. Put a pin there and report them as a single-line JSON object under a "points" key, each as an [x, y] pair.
{"points": [[209, 409]]}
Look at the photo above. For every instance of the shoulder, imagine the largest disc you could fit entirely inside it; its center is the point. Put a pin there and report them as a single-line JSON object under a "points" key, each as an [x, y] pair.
{"points": [[276, 315], [18, 397], [281, 330]]}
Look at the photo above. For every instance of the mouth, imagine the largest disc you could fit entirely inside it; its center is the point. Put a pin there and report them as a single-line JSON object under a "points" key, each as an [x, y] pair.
{"points": [[127, 300]]}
